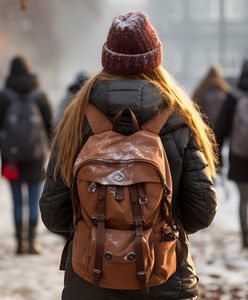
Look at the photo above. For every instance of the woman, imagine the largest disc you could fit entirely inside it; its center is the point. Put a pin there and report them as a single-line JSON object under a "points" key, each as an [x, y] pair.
{"points": [[132, 76], [226, 125], [22, 87], [211, 93]]}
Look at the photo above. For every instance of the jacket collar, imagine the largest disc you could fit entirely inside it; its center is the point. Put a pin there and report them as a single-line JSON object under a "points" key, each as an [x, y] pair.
{"points": [[110, 96]]}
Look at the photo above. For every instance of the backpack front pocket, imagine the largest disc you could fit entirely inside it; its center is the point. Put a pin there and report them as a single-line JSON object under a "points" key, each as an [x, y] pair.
{"points": [[119, 258], [165, 257]]}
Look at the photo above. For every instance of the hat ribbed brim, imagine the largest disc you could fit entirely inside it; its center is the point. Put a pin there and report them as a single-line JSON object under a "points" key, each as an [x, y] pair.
{"points": [[130, 64]]}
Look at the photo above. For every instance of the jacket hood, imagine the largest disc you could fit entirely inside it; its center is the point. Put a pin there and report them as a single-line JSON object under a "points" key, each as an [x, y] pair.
{"points": [[142, 97], [79, 81], [19, 66], [22, 83]]}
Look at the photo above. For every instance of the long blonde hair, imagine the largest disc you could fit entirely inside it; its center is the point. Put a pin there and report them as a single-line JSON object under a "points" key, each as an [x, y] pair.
{"points": [[68, 138]]}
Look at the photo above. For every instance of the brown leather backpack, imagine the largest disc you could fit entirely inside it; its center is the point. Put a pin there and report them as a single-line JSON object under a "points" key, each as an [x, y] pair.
{"points": [[124, 237]]}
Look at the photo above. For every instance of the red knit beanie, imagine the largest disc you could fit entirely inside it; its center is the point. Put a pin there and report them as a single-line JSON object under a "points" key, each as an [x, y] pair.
{"points": [[132, 45]]}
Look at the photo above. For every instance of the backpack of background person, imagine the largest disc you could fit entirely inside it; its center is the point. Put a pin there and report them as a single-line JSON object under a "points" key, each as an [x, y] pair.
{"points": [[124, 237], [239, 135], [23, 138], [212, 103]]}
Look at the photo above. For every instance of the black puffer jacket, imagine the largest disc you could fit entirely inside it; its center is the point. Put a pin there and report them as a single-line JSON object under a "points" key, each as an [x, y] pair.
{"points": [[194, 199], [23, 84]]}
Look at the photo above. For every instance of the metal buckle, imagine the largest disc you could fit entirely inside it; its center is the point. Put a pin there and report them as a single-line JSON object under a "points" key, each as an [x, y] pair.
{"points": [[141, 274], [143, 200], [94, 221], [100, 218], [96, 274], [92, 187], [139, 222], [167, 191]]}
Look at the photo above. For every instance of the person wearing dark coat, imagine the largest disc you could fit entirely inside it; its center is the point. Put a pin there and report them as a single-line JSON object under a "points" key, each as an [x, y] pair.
{"points": [[120, 85], [238, 167], [71, 91], [211, 93], [22, 83]]}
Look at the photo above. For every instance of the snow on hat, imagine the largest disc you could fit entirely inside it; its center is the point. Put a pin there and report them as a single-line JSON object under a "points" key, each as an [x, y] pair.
{"points": [[132, 45]]}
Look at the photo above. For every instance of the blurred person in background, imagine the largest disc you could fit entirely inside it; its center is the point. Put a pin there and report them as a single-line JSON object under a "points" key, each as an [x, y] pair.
{"points": [[132, 76], [72, 89], [211, 94], [232, 124], [25, 129]]}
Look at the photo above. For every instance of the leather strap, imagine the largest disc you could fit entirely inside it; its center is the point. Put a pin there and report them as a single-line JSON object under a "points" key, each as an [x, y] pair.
{"points": [[138, 223], [168, 212], [77, 216], [117, 120], [142, 194], [179, 252], [156, 123], [97, 120], [181, 243], [100, 236]]}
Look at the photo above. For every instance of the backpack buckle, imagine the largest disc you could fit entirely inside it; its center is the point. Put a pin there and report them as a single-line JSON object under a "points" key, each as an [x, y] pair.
{"points": [[93, 219], [96, 274], [139, 222], [92, 187], [143, 199], [100, 218], [167, 192], [141, 274]]}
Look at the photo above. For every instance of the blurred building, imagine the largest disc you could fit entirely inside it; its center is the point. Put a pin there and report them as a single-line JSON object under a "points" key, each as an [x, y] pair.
{"points": [[197, 33]]}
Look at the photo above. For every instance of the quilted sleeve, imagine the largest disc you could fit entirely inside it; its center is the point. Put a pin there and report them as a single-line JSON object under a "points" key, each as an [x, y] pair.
{"points": [[55, 203], [197, 195]]}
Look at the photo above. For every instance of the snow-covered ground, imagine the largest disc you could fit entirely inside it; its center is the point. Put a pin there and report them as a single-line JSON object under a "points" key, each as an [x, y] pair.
{"points": [[221, 266], [27, 277]]}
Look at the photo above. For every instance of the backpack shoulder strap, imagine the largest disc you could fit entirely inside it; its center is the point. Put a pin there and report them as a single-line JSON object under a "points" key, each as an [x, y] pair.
{"points": [[156, 123], [97, 120]]}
